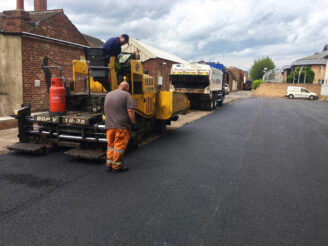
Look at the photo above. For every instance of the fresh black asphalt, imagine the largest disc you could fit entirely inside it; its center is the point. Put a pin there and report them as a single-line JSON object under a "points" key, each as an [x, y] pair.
{"points": [[254, 172]]}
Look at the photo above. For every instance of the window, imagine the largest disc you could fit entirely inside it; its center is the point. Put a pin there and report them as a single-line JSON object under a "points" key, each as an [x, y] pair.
{"points": [[304, 90]]}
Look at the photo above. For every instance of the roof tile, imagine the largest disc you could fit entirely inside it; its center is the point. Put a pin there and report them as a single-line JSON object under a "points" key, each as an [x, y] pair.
{"points": [[93, 41]]}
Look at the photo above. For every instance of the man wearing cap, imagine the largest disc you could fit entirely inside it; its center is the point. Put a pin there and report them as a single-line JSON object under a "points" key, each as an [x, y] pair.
{"points": [[112, 46]]}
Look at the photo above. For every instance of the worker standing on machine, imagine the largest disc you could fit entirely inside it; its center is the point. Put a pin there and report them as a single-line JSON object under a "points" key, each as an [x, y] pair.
{"points": [[119, 112], [112, 46]]}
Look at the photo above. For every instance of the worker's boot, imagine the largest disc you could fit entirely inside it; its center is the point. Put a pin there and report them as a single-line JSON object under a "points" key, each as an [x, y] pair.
{"points": [[108, 165], [123, 169]]}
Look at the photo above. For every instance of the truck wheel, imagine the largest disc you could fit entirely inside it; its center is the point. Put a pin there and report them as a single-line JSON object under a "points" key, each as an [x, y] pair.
{"points": [[290, 96], [311, 97], [214, 101], [210, 105], [160, 126]]}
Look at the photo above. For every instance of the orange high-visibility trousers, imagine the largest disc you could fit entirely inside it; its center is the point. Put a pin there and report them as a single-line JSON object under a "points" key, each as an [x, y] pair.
{"points": [[117, 142]]}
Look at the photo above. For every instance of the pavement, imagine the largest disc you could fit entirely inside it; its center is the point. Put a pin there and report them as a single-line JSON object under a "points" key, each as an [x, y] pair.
{"points": [[9, 137], [252, 173]]}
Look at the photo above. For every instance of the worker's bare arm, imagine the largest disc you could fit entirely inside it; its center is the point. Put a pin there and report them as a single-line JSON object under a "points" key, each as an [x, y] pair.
{"points": [[132, 115]]}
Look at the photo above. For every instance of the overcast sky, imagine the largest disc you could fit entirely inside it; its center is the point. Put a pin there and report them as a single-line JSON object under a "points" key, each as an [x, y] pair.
{"points": [[234, 32]]}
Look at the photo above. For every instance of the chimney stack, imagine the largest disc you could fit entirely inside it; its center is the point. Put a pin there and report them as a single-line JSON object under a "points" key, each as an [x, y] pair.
{"points": [[20, 4], [40, 5]]}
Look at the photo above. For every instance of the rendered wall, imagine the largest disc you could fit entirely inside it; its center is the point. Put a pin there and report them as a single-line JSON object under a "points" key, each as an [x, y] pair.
{"points": [[11, 89], [319, 73], [280, 89]]}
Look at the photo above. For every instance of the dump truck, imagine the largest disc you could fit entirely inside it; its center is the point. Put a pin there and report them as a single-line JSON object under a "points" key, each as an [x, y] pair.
{"points": [[202, 83], [76, 119]]}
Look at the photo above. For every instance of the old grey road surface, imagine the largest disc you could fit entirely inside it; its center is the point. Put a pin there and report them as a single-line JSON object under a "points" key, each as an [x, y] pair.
{"points": [[255, 172]]}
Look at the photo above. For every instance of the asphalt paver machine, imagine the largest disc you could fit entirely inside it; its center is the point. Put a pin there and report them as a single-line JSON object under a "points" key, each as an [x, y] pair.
{"points": [[77, 120]]}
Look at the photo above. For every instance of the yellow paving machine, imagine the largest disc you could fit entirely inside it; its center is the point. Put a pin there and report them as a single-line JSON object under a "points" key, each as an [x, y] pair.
{"points": [[81, 126]]}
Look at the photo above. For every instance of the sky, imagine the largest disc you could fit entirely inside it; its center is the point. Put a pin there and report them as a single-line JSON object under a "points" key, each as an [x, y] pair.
{"points": [[232, 32]]}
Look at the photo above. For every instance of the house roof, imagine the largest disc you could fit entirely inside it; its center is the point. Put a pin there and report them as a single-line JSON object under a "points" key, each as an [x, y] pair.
{"points": [[93, 41], [286, 67], [37, 16], [325, 48], [149, 52], [318, 58]]}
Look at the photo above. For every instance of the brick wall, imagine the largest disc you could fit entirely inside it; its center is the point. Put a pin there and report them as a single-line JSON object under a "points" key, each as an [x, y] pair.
{"points": [[16, 21], [34, 50], [157, 68], [7, 124], [235, 74], [280, 89], [60, 27]]}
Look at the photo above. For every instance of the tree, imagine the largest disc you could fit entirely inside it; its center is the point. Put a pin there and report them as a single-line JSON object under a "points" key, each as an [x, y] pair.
{"points": [[257, 70], [306, 74]]}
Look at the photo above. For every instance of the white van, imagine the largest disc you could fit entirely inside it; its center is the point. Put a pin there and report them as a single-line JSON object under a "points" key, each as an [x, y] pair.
{"points": [[300, 92]]}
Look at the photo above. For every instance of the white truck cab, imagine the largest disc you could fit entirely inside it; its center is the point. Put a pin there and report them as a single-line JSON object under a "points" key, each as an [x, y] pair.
{"points": [[300, 92]]}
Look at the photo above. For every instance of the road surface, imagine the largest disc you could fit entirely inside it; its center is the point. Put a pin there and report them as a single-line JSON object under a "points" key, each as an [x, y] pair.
{"points": [[252, 173]]}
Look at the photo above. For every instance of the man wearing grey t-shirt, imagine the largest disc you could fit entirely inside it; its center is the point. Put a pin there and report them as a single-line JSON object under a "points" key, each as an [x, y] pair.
{"points": [[119, 112]]}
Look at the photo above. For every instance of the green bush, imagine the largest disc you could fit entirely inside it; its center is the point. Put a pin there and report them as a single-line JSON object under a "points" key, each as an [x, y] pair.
{"points": [[306, 74], [257, 70], [256, 83]]}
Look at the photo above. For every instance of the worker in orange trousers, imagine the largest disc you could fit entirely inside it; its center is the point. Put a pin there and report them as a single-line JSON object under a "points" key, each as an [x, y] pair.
{"points": [[119, 112], [117, 142]]}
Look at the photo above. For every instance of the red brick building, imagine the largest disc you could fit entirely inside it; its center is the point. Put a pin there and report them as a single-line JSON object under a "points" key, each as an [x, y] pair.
{"points": [[25, 39], [235, 77], [158, 63]]}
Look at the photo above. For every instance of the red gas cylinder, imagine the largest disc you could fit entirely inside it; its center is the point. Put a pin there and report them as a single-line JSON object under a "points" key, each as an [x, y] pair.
{"points": [[57, 96]]}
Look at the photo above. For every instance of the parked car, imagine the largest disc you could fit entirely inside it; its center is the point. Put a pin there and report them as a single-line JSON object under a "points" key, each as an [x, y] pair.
{"points": [[300, 92], [226, 89], [248, 85]]}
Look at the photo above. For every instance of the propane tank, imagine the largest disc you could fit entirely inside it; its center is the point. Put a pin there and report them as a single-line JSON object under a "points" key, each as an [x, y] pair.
{"points": [[57, 98]]}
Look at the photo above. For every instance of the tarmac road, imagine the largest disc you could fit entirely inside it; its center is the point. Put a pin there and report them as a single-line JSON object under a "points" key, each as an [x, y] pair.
{"points": [[252, 173]]}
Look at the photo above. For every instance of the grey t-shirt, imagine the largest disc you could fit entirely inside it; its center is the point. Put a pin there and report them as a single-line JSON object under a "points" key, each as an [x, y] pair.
{"points": [[117, 103]]}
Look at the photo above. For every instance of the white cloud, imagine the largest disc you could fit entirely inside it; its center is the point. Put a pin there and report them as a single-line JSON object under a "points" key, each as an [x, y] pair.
{"points": [[234, 32]]}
